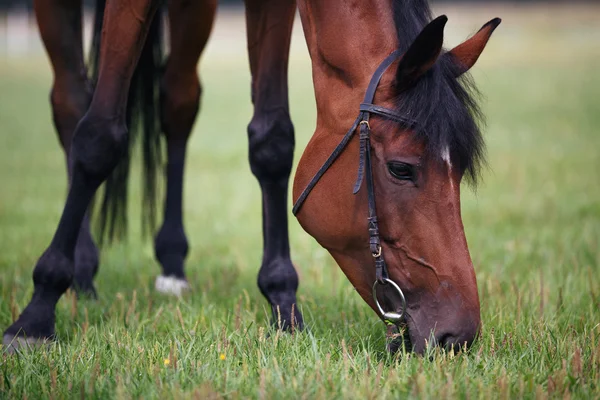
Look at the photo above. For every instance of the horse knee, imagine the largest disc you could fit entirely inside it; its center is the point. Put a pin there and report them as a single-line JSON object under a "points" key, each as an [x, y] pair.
{"points": [[98, 144], [180, 99], [271, 145]]}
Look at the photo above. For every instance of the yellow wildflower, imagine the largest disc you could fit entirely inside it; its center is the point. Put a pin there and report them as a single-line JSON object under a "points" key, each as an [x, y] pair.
{"points": [[222, 357], [167, 361]]}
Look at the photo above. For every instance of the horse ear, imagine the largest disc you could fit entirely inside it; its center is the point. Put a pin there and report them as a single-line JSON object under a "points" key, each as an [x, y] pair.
{"points": [[422, 53], [467, 53]]}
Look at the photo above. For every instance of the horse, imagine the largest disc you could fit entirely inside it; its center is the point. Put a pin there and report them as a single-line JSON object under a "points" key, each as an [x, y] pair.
{"points": [[418, 137]]}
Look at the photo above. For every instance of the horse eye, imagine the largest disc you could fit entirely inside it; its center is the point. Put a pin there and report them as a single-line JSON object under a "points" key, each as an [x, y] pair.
{"points": [[400, 170]]}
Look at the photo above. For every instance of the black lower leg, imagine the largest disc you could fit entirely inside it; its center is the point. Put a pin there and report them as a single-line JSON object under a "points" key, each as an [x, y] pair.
{"points": [[54, 271], [52, 276], [180, 102], [86, 255], [271, 140], [69, 102], [171, 245]]}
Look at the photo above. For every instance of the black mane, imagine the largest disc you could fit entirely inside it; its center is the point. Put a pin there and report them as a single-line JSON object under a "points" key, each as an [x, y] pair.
{"points": [[443, 106]]}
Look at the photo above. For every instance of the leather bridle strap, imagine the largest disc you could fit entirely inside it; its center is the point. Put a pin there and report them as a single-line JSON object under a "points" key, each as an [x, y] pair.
{"points": [[334, 155], [364, 165], [387, 113], [381, 272], [365, 108]]}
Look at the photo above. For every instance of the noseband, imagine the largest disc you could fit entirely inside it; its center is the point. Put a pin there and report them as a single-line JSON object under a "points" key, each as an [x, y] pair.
{"points": [[364, 166]]}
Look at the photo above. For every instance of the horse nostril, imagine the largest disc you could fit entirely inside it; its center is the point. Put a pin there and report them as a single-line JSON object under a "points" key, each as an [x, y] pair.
{"points": [[449, 341], [457, 342], [461, 334]]}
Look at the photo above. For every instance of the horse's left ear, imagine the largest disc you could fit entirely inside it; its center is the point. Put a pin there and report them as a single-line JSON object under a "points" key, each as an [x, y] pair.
{"points": [[422, 53], [467, 53]]}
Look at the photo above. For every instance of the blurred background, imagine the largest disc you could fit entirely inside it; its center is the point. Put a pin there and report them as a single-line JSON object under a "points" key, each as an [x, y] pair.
{"points": [[18, 35], [533, 225]]}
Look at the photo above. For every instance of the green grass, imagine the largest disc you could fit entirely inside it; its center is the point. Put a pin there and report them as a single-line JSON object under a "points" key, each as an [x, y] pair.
{"points": [[533, 229]]}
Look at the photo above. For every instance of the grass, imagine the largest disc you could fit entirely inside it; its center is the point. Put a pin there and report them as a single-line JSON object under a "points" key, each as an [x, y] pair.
{"points": [[533, 230]]}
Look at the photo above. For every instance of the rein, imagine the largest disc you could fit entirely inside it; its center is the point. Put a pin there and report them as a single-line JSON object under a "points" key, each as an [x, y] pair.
{"points": [[365, 172]]}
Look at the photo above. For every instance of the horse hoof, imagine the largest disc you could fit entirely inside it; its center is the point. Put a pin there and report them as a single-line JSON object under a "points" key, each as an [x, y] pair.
{"points": [[171, 285], [86, 292], [13, 344]]}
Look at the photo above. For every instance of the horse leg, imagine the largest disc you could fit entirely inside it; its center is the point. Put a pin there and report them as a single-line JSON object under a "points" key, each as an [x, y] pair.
{"points": [[271, 150], [59, 23], [191, 24], [99, 140]]}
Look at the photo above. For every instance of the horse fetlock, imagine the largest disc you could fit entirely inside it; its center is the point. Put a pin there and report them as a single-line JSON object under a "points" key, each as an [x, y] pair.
{"points": [[278, 279], [98, 145], [271, 144], [171, 248], [53, 273], [171, 240]]}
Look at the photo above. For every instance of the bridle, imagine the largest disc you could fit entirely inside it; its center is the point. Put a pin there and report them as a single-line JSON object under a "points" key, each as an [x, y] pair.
{"points": [[365, 171]]}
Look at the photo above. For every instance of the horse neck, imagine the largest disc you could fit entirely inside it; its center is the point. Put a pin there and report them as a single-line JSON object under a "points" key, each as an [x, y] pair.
{"points": [[347, 41]]}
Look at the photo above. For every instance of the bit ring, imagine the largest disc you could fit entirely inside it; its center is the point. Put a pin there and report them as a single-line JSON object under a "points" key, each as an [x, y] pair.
{"points": [[390, 316]]}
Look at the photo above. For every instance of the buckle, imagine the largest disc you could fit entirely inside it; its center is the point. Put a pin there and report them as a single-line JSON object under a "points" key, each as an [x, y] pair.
{"points": [[377, 254]]}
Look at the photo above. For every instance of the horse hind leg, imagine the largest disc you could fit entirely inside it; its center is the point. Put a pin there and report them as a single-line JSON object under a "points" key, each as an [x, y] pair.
{"points": [[191, 24], [60, 28], [98, 142], [271, 150]]}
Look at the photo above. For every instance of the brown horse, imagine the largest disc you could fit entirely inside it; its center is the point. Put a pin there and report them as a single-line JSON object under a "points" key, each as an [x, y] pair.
{"points": [[423, 139], [420, 149]]}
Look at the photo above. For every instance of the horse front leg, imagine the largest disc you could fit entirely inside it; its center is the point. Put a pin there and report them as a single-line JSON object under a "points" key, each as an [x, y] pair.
{"points": [[98, 142], [271, 150], [59, 22]]}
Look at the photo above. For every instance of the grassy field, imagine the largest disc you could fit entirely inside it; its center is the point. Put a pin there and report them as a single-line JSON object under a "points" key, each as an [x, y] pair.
{"points": [[533, 229]]}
